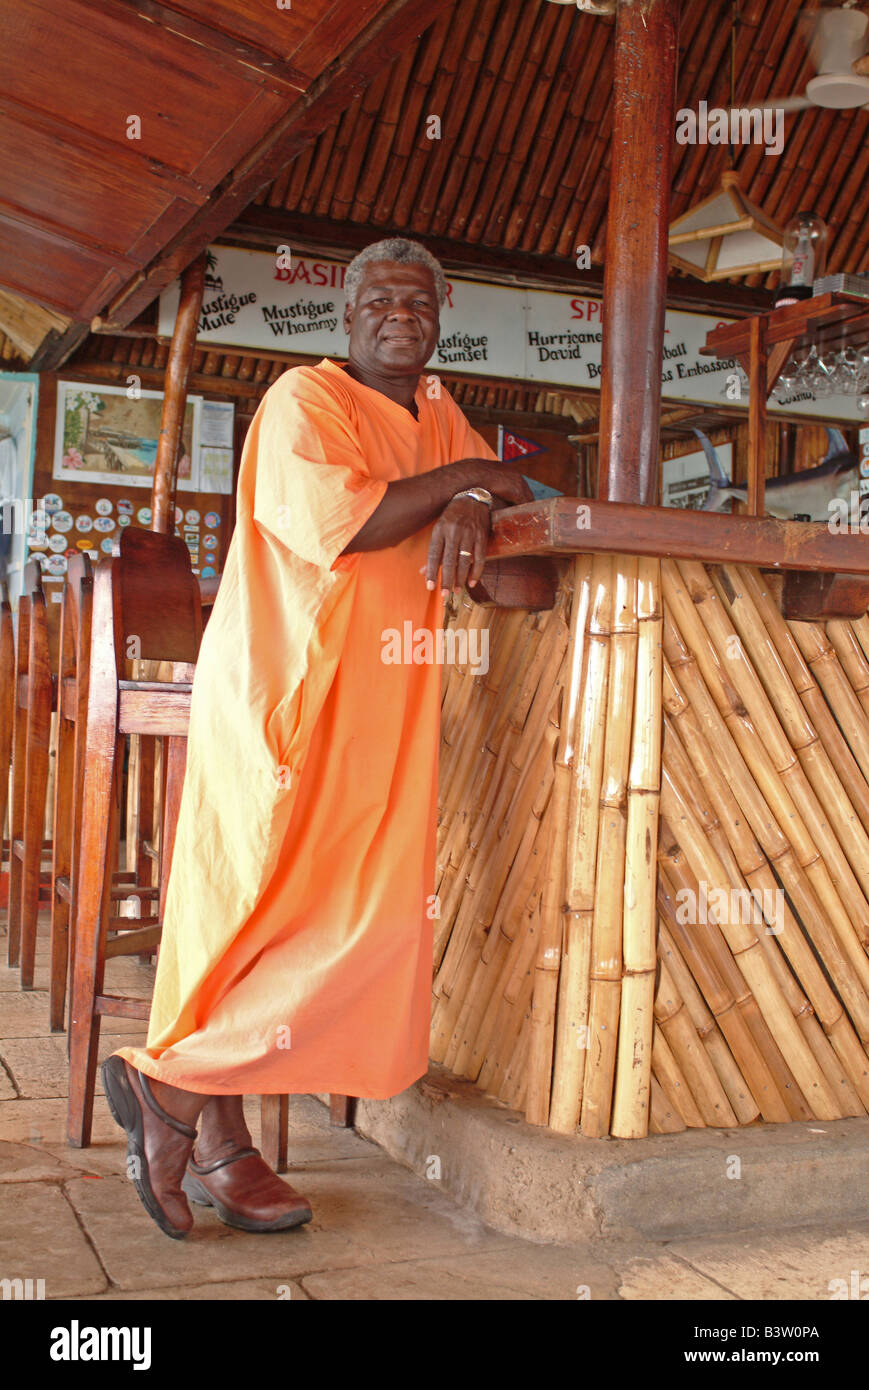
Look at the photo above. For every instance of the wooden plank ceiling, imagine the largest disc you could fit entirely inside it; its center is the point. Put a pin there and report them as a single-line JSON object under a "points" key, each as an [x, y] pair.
{"points": [[132, 131]]}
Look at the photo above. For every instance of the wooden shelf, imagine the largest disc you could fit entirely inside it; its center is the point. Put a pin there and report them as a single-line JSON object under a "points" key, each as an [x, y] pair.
{"points": [[829, 320], [764, 343]]}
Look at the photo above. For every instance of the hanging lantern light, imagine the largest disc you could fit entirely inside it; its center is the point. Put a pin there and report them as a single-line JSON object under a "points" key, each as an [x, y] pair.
{"points": [[725, 235]]}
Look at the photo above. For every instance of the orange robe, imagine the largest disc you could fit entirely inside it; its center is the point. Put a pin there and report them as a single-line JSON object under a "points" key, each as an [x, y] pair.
{"points": [[297, 945]]}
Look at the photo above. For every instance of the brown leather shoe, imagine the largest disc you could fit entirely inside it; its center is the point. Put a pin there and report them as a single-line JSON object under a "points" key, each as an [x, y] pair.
{"points": [[245, 1192], [160, 1144]]}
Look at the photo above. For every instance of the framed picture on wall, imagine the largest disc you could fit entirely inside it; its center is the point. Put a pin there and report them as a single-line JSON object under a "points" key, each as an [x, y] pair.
{"points": [[685, 479], [18, 398], [106, 435]]}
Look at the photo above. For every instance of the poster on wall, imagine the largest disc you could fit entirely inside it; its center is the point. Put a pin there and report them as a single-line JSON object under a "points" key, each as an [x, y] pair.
{"points": [[104, 435], [685, 480], [18, 399], [215, 447], [495, 330]]}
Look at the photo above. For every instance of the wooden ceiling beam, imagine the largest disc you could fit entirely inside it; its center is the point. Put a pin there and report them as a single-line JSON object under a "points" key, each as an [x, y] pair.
{"points": [[397, 25], [266, 69], [26, 324], [261, 226], [57, 347]]}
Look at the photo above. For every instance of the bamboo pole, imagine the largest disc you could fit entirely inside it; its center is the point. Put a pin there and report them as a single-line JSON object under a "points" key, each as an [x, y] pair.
{"points": [[749, 956], [824, 665], [707, 1092], [736, 1088], [852, 659], [752, 862], [750, 1052], [178, 368], [560, 951], [633, 1060], [810, 693], [760, 777], [667, 1072], [606, 934], [797, 727], [664, 1117]]}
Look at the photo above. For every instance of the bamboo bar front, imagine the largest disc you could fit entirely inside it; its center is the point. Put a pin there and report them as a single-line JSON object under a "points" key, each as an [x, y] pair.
{"points": [[653, 856]]}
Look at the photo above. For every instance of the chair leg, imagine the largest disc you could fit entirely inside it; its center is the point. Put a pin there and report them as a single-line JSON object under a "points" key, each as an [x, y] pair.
{"points": [[341, 1111], [62, 839], [35, 793], [16, 832], [144, 865], [274, 1121], [98, 853]]}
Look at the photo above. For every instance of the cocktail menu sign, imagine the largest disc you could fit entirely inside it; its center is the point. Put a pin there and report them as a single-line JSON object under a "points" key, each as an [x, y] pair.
{"points": [[255, 300]]}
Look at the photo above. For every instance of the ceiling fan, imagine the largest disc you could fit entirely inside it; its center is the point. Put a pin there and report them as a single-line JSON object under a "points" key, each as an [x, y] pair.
{"points": [[837, 44]]}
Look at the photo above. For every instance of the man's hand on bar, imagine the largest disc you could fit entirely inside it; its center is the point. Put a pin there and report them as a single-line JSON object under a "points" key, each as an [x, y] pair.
{"points": [[409, 504]]}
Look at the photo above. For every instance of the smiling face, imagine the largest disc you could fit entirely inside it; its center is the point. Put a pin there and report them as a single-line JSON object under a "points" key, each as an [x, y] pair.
{"points": [[394, 323]]}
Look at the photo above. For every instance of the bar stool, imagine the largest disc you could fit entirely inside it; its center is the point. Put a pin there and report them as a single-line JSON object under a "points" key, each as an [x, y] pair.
{"points": [[35, 693], [73, 661], [147, 593]]}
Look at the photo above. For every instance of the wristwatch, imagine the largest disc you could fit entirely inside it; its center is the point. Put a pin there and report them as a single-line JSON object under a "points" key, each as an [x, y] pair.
{"points": [[479, 494]]}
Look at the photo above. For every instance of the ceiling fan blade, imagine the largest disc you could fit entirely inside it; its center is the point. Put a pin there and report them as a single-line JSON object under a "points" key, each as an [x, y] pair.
{"points": [[837, 38]]}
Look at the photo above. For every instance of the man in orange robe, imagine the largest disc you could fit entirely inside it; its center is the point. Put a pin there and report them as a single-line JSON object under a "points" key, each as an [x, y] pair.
{"points": [[297, 945]]}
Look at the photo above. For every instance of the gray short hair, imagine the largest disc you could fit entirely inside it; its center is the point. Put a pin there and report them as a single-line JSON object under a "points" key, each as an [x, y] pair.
{"points": [[397, 249]]}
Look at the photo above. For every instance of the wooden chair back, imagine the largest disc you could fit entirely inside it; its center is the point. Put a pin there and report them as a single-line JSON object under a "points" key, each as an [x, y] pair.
{"points": [[159, 601], [31, 737], [147, 592]]}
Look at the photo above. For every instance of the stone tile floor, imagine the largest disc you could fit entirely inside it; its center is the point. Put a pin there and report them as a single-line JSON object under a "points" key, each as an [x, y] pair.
{"points": [[379, 1232]]}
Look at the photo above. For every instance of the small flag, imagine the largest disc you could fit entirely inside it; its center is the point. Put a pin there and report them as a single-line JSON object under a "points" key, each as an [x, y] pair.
{"points": [[514, 446]]}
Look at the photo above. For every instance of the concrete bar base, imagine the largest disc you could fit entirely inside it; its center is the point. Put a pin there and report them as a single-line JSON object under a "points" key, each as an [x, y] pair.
{"points": [[524, 1180]]}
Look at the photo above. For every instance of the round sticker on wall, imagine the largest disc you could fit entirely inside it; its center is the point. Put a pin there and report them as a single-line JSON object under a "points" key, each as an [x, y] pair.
{"points": [[56, 564], [208, 572], [69, 553], [57, 543], [212, 519], [210, 542], [103, 506], [179, 516], [108, 545], [85, 545], [52, 502], [125, 506], [143, 516], [124, 520], [84, 522], [61, 521], [192, 517], [104, 523]]}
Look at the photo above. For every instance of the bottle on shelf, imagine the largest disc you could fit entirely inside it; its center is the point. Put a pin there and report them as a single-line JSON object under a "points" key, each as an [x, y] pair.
{"points": [[804, 252]]}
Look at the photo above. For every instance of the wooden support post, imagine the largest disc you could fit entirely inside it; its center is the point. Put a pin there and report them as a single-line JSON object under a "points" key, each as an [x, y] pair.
{"points": [[178, 370], [274, 1119], [635, 273], [757, 393]]}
